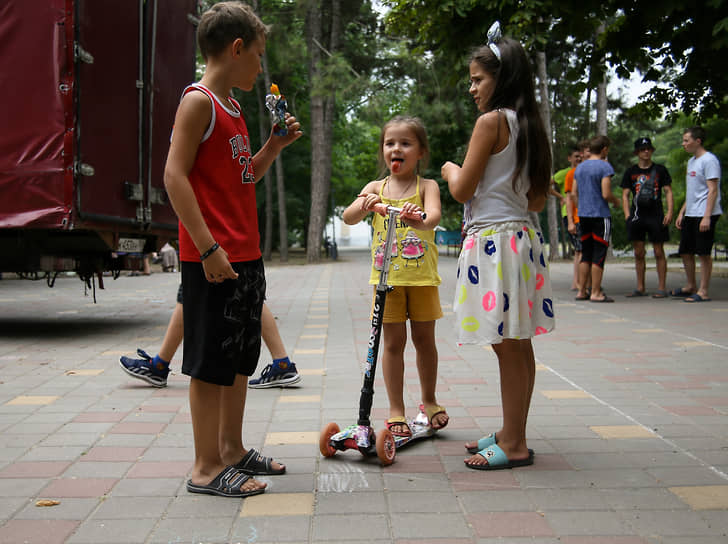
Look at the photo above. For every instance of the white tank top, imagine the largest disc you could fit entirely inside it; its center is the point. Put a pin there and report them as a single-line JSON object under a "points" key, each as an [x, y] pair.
{"points": [[494, 200]]}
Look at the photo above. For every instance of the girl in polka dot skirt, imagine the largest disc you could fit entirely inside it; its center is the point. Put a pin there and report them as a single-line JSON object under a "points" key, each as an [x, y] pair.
{"points": [[503, 292]]}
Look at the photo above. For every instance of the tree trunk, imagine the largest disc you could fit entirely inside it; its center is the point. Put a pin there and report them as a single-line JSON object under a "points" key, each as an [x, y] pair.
{"points": [[602, 95], [322, 114], [552, 208]]}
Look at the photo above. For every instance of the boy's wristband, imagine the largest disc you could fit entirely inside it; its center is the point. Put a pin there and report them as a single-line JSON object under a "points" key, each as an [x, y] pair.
{"points": [[210, 251]]}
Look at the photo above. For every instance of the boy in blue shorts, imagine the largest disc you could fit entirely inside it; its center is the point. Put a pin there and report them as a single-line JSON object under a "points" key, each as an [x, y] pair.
{"points": [[210, 177]]}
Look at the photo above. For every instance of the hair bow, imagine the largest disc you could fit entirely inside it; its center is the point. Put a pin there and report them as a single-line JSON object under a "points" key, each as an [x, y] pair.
{"points": [[494, 36]]}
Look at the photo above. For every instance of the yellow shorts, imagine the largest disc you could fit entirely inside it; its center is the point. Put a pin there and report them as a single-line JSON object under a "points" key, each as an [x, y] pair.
{"points": [[413, 302]]}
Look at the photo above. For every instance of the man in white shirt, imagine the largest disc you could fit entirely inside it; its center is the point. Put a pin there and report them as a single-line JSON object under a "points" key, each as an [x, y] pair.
{"points": [[698, 215]]}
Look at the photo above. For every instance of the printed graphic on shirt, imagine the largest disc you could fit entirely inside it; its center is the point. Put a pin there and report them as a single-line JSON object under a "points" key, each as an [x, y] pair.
{"points": [[241, 152], [413, 248]]}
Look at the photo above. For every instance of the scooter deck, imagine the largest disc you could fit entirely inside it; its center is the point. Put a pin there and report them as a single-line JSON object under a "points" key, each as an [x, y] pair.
{"points": [[420, 427]]}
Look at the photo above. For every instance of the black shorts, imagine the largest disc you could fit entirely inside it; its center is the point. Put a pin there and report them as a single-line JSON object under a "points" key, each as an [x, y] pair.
{"points": [[574, 239], [596, 232], [694, 242], [222, 322], [650, 225], [179, 294]]}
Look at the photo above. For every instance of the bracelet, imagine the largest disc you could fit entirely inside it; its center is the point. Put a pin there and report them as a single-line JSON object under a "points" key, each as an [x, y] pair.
{"points": [[210, 251]]}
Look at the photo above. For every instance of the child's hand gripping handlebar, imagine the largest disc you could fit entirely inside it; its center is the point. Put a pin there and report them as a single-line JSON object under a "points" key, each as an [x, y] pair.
{"points": [[384, 209]]}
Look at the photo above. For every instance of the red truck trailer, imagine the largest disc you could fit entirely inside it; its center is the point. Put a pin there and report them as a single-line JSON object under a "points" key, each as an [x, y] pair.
{"points": [[88, 92]]}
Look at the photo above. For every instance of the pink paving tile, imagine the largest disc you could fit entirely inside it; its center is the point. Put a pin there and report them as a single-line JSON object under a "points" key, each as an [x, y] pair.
{"points": [[416, 463], [626, 379], [679, 386], [434, 541], [161, 469], [449, 358], [165, 408], [78, 487], [137, 428], [603, 540], [691, 410], [461, 423], [182, 418], [653, 372], [37, 531], [485, 411], [37, 469], [652, 354], [415, 387], [100, 453], [100, 417], [473, 480], [513, 524], [452, 447]]}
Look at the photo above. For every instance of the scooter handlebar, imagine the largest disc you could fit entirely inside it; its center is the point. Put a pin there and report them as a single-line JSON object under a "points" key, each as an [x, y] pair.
{"points": [[384, 209]]}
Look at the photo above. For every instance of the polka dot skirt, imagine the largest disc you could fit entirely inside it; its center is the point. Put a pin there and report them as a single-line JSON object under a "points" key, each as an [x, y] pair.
{"points": [[503, 288]]}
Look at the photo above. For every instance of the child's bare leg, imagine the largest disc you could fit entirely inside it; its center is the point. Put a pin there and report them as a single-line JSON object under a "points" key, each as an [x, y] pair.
{"points": [[423, 337], [517, 364], [232, 409], [270, 334], [394, 338], [205, 411], [174, 335]]}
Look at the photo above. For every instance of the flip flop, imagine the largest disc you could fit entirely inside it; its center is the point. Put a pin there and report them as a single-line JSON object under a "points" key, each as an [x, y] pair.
{"points": [[660, 294], [680, 292], [602, 300], [432, 411], [255, 464], [697, 298], [497, 459], [637, 293], [229, 483], [585, 297], [401, 421], [489, 440]]}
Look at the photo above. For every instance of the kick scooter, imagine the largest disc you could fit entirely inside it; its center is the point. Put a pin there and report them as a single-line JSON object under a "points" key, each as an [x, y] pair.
{"points": [[361, 436]]}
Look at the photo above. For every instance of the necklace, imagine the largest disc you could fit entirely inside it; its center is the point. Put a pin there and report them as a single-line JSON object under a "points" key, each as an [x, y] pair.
{"points": [[401, 195]]}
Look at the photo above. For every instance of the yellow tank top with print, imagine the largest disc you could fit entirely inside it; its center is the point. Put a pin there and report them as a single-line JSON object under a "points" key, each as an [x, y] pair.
{"points": [[414, 254]]}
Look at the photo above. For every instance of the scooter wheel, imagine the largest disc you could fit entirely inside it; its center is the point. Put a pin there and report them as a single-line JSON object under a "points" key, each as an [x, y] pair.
{"points": [[325, 440], [386, 447]]}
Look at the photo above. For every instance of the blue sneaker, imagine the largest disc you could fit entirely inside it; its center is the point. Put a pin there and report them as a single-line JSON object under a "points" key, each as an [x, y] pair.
{"points": [[154, 373], [277, 374]]}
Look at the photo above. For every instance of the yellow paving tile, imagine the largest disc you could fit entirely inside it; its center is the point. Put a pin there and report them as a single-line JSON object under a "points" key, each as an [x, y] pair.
{"points": [[540, 367], [703, 497], [288, 438], [67, 312], [85, 371], [312, 336], [613, 320], [690, 344], [279, 504], [317, 326], [125, 352], [649, 330], [585, 311], [318, 316], [317, 351], [566, 394], [311, 371], [292, 399], [32, 400], [622, 431]]}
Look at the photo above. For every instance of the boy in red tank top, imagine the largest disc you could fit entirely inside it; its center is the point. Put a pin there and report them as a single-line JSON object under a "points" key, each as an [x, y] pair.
{"points": [[210, 177]]}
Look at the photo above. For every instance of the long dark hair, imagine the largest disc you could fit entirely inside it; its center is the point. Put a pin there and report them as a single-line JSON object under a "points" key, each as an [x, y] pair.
{"points": [[514, 89]]}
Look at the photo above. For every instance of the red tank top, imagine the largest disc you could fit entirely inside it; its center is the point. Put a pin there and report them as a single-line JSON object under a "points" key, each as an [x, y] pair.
{"points": [[224, 184]]}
